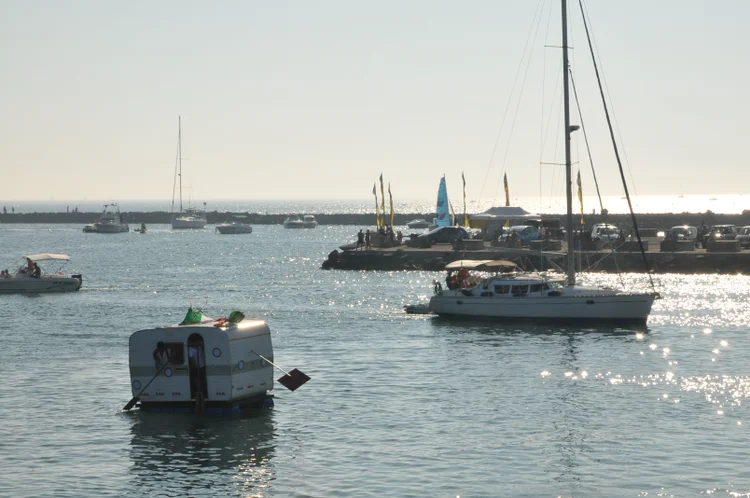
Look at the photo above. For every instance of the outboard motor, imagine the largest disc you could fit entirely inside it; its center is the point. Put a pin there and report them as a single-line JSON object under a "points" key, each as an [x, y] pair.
{"points": [[79, 277]]}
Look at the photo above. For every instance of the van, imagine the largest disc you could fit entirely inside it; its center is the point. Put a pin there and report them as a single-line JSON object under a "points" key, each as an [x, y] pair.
{"points": [[604, 232]]}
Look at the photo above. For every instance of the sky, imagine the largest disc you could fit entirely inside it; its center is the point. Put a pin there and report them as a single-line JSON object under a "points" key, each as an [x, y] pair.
{"points": [[314, 100]]}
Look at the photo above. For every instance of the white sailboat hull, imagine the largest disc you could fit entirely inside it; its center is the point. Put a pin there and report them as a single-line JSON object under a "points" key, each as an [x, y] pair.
{"points": [[610, 307], [188, 222]]}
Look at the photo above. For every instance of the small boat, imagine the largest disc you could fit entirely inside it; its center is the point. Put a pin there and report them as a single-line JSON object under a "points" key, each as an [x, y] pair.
{"points": [[418, 223], [111, 221], [142, 229], [309, 221], [31, 277], [234, 227], [91, 228], [204, 365], [294, 222]]}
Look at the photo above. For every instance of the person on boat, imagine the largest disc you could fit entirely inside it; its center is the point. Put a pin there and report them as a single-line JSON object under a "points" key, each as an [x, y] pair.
{"points": [[463, 278], [36, 272], [162, 355], [368, 238], [360, 239], [197, 363], [29, 266]]}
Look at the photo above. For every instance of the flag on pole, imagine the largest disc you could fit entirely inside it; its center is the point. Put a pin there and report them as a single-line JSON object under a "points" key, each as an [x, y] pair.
{"points": [[580, 194], [382, 199], [393, 214], [466, 217], [507, 192], [377, 213]]}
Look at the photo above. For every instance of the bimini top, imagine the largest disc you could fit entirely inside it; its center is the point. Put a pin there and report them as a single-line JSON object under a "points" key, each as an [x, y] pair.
{"points": [[47, 256], [491, 265]]}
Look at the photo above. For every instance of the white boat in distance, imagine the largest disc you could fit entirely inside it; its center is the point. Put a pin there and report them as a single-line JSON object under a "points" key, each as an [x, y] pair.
{"points": [[309, 221], [190, 217], [294, 222], [110, 221], [418, 223], [24, 280], [237, 226], [523, 295]]}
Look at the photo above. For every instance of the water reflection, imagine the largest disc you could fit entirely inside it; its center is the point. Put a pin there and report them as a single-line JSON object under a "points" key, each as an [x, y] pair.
{"points": [[178, 455], [530, 327]]}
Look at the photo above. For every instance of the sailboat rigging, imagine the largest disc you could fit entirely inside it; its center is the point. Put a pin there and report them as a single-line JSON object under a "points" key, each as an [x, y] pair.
{"points": [[190, 217], [527, 295]]}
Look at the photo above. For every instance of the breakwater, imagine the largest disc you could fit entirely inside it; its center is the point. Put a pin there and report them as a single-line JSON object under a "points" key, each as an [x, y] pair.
{"points": [[657, 221]]}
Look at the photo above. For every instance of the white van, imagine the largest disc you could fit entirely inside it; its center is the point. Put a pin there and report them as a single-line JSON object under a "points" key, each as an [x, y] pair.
{"points": [[604, 232]]}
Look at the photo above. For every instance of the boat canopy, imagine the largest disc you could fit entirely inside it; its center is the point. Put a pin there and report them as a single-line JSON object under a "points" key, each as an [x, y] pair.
{"points": [[491, 265], [47, 256]]}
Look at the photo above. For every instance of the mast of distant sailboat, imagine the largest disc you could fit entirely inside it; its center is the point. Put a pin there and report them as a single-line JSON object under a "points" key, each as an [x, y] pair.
{"points": [[568, 168]]}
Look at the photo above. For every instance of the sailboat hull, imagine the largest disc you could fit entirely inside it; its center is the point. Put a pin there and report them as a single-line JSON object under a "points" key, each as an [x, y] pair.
{"points": [[188, 222], [614, 308]]}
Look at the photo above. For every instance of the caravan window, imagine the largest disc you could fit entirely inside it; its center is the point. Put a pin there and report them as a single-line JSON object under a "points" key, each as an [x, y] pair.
{"points": [[536, 287], [176, 352]]}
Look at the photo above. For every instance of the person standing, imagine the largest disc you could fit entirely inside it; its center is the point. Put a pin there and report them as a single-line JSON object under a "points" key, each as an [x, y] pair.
{"points": [[360, 239]]}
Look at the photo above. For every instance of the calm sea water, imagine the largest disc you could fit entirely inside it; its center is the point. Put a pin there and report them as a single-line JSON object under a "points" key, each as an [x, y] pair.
{"points": [[398, 405]]}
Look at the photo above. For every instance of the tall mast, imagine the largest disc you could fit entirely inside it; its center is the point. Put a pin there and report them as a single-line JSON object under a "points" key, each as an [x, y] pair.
{"points": [[179, 155], [568, 169]]}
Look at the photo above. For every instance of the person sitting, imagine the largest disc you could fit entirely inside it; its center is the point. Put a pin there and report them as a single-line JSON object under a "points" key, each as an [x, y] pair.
{"points": [[36, 272]]}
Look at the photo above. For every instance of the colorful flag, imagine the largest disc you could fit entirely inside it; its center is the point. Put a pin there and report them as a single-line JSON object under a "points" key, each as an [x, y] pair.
{"points": [[382, 199], [393, 214], [377, 213], [580, 194], [466, 217], [507, 192]]}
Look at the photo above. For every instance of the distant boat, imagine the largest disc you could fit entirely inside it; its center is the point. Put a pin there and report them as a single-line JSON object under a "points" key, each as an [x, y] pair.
{"points": [[418, 223], [294, 222], [110, 221], [185, 218], [309, 221], [142, 229], [51, 280], [238, 225], [90, 228]]}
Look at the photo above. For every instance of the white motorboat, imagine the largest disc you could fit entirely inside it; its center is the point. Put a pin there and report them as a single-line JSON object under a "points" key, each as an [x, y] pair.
{"points": [[418, 223], [309, 221], [189, 218], [236, 226], [294, 222], [110, 221], [40, 273], [206, 366], [90, 228], [522, 295]]}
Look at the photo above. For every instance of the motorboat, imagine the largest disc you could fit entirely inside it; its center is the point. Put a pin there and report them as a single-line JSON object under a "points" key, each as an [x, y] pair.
{"points": [[294, 222], [238, 225], [309, 221], [111, 221], [142, 229], [185, 218], [206, 366], [418, 223], [40, 273], [498, 289], [90, 228]]}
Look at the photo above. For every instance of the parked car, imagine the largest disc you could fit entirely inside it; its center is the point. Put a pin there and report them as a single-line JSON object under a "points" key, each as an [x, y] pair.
{"points": [[442, 235], [605, 232], [682, 233], [743, 235], [719, 232], [524, 234]]}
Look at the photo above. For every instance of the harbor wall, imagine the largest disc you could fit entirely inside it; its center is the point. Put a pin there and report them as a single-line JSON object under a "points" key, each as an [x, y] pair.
{"points": [[655, 221]]}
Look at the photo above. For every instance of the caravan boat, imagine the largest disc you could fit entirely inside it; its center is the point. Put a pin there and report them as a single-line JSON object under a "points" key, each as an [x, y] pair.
{"points": [[47, 279], [215, 366]]}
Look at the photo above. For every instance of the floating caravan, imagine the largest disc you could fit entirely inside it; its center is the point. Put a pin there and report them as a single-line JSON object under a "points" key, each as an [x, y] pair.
{"points": [[205, 365]]}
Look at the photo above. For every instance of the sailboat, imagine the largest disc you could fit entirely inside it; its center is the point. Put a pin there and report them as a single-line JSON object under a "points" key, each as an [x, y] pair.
{"points": [[526, 295], [190, 217], [442, 208]]}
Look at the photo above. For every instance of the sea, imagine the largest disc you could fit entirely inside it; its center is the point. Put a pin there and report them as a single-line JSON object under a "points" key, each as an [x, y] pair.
{"points": [[398, 405]]}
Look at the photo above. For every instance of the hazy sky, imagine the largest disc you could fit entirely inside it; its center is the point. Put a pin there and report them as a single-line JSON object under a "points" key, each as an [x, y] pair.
{"points": [[314, 99]]}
